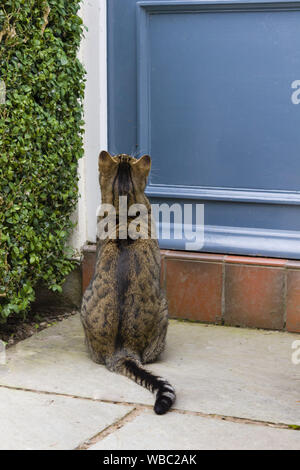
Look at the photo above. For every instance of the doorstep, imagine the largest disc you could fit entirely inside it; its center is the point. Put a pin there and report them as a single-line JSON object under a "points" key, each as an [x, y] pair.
{"points": [[230, 290]]}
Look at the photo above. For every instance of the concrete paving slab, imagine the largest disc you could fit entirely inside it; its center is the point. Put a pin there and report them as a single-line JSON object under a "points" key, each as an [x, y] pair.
{"points": [[46, 422], [176, 431], [215, 370]]}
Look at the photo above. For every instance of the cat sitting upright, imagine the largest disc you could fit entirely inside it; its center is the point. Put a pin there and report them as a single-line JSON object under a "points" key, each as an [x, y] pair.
{"points": [[124, 311]]}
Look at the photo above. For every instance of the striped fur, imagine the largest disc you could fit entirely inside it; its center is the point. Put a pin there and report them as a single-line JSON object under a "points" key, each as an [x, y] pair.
{"points": [[165, 393], [124, 310]]}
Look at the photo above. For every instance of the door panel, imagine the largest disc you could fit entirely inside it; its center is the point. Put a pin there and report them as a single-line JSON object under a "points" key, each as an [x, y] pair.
{"points": [[206, 89], [220, 104]]}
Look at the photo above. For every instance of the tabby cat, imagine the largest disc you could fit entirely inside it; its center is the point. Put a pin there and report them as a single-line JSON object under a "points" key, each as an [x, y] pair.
{"points": [[124, 311]]}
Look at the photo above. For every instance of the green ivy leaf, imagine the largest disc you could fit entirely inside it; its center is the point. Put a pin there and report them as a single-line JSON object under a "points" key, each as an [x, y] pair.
{"points": [[41, 129]]}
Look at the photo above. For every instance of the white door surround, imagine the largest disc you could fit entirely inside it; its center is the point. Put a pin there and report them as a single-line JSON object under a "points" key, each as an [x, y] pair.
{"points": [[93, 54]]}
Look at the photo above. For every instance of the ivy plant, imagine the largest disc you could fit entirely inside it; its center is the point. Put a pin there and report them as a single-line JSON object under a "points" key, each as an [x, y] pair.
{"points": [[41, 140]]}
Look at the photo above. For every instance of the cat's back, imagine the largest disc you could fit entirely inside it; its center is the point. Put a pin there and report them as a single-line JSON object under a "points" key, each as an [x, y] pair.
{"points": [[99, 302], [138, 292], [127, 273]]}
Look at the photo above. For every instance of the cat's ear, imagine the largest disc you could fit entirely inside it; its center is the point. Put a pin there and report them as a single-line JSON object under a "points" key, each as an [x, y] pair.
{"points": [[105, 161], [144, 164]]}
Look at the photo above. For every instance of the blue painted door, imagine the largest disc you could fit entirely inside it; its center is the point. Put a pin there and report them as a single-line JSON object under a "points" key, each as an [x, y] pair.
{"points": [[211, 90]]}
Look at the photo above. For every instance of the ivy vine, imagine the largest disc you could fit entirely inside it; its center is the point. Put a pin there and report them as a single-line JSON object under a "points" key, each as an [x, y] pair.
{"points": [[41, 140]]}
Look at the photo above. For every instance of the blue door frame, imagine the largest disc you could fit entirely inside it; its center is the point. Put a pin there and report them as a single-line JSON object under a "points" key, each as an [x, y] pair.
{"points": [[209, 90]]}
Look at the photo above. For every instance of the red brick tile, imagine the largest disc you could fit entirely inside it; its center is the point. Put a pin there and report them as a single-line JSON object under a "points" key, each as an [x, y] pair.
{"points": [[162, 270], [293, 264], [164, 253], [88, 267], [293, 301], [254, 296], [194, 289], [193, 255], [255, 260]]}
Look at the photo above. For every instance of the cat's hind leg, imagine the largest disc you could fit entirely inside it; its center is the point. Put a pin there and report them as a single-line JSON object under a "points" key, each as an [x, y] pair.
{"points": [[157, 344], [92, 349]]}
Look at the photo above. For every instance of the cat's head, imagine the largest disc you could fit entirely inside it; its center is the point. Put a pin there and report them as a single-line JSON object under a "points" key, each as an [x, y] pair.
{"points": [[123, 175]]}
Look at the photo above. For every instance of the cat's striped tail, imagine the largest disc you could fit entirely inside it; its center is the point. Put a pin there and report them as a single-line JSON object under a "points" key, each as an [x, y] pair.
{"points": [[165, 393]]}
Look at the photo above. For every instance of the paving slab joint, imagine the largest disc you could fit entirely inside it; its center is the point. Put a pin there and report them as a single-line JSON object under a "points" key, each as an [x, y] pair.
{"points": [[120, 423]]}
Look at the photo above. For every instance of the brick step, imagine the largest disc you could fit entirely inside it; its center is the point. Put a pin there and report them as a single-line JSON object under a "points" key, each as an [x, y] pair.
{"points": [[223, 289]]}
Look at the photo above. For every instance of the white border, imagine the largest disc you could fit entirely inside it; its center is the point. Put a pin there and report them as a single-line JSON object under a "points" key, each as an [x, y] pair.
{"points": [[93, 54]]}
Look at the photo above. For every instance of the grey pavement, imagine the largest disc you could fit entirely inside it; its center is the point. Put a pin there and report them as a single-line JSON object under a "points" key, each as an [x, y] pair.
{"points": [[236, 389]]}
